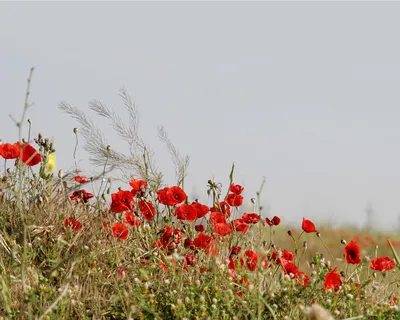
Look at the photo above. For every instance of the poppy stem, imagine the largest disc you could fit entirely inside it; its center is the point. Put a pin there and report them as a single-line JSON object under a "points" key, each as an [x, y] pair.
{"points": [[327, 248]]}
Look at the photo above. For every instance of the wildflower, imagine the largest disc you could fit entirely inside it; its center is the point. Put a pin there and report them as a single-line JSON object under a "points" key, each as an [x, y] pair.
{"points": [[289, 267], [188, 243], [138, 187], [74, 224], [235, 250], [251, 261], [202, 240], [199, 227], [382, 264], [222, 229], [236, 189], [186, 212], [302, 278], [234, 200], [30, 156], [352, 253], [274, 222], [122, 201], [239, 225], [81, 179], [10, 151], [120, 231], [308, 226], [175, 195], [287, 255], [222, 208], [190, 259], [332, 280], [81, 195], [251, 218], [129, 218], [201, 209], [147, 210], [217, 217]]}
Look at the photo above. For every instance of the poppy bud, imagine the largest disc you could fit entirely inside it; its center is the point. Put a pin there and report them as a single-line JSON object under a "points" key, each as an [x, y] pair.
{"points": [[318, 234], [289, 233], [23, 140], [29, 121], [108, 148], [253, 200], [75, 130], [305, 244], [9, 170], [343, 241], [342, 274], [40, 136], [60, 174], [103, 196]]}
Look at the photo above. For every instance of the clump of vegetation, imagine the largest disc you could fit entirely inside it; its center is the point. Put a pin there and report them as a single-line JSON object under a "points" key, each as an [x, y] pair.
{"points": [[71, 248]]}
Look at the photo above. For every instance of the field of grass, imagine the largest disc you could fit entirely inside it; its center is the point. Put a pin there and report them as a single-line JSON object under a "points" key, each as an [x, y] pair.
{"points": [[71, 248]]}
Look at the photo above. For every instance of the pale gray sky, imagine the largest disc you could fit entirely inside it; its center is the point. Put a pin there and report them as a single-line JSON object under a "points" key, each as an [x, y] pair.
{"points": [[306, 94]]}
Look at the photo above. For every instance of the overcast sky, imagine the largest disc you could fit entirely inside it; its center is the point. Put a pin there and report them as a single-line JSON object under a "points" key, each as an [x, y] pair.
{"points": [[305, 94]]}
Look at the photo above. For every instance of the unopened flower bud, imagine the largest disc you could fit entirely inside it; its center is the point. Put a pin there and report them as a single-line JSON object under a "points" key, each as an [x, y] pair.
{"points": [[108, 148], [29, 121], [75, 130], [305, 244], [318, 234], [289, 233], [60, 174], [253, 200], [343, 241]]}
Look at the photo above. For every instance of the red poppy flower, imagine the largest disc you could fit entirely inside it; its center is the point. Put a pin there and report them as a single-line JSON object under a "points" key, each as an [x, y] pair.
{"points": [[188, 244], [81, 195], [190, 259], [120, 231], [236, 189], [223, 208], [274, 222], [199, 227], [252, 259], [222, 229], [138, 186], [201, 209], [251, 218], [30, 156], [81, 179], [287, 255], [122, 201], [202, 241], [289, 267], [147, 210], [130, 219], [239, 225], [302, 278], [217, 217], [332, 281], [74, 224], [352, 253], [162, 196], [382, 264], [186, 212], [10, 151], [308, 226], [235, 250], [234, 200], [175, 196]]}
